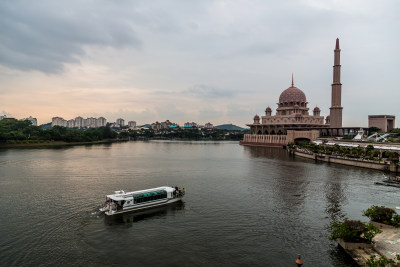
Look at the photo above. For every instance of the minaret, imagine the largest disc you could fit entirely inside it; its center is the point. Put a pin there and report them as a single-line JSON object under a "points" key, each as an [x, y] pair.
{"points": [[336, 107]]}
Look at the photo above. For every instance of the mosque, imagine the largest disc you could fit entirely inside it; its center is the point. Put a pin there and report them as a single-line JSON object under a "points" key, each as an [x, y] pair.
{"points": [[293, 122]]}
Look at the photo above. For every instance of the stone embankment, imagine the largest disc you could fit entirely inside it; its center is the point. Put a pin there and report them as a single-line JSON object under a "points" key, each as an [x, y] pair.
{"points": [[370, 164]]}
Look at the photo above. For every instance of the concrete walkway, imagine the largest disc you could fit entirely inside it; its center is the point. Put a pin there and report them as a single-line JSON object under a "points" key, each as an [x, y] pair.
{"points": [[387, 243]]}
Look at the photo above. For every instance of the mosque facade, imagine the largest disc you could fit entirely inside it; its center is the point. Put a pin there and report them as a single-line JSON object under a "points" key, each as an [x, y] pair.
{"points": [[293, 121]]}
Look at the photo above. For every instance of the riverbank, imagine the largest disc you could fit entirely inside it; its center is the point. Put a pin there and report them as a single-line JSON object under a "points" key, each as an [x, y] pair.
{"points": [[57, 144], [363, 163], [385, 244]]}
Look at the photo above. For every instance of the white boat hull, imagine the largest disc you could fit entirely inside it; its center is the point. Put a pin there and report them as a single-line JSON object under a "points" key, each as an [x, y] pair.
{"points": [[140, 207]]}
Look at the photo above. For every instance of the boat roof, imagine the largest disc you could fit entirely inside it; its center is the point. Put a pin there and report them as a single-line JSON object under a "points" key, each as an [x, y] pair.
{"points": [[126, 195]]}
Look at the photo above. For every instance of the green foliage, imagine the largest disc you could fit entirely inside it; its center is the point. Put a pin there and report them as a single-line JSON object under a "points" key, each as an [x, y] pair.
{"points": [[372, 130], [189, 134], [353, 231], [382, 214], [13, 131], [348, 137], [383, 261], [395, 130]]}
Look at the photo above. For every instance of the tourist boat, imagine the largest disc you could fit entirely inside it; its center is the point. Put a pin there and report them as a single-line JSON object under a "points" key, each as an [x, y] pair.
{"points": [[121, 202], [390, 182]]}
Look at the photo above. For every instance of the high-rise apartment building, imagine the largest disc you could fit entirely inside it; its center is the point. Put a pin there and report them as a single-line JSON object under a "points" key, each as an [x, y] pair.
{"points": [[79, 122], [101, 122], [91, 122], [208, 126], [32, 120], [58, 121], [71, 123], [132, 124], [120, 122]]}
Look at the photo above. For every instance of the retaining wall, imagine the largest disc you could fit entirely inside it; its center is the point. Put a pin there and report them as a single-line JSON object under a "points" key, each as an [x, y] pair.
{"points": [[348, 161]]}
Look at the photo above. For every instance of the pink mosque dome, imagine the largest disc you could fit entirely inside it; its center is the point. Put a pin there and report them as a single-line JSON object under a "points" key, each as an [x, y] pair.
{"points": [[296, 106], [256, 117], [268, 109], [292, 94], [317, 109]]}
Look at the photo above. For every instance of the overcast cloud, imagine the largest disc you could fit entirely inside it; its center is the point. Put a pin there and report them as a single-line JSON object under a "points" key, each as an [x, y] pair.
{"points": [[217, 61]]}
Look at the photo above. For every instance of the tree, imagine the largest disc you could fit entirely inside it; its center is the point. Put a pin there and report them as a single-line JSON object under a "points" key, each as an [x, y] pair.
{"points": [[373, 130], [353, 231]]}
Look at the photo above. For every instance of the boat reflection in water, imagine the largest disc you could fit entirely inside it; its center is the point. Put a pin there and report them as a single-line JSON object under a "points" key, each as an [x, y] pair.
{"points": [[148, 214]]}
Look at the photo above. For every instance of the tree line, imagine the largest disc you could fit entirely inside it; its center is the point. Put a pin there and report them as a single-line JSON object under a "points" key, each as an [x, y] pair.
{"points": [[15, 131], [185, 134], [369, 153]]}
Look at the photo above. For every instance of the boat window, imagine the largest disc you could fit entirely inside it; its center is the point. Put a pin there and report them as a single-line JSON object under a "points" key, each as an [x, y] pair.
{"points": [[149, 196]]}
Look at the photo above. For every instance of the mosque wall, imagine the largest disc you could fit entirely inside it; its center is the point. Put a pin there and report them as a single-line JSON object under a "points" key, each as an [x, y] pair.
{"points": [[278, 140]]}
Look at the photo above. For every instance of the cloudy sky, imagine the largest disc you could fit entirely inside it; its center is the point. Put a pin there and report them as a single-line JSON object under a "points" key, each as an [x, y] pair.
{"points": [[202, 61]]}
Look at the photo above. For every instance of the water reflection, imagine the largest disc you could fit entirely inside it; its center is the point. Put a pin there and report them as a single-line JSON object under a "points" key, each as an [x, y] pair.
{"points": [[266, 152], [134, 217], [335, 198]]}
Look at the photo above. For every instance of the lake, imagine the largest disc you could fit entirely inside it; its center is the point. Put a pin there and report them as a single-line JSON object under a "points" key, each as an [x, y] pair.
{"points": [[243, 205]]}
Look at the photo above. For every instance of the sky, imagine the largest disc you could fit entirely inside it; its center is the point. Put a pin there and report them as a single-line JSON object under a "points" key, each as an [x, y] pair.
{"points": [[195, 61]]}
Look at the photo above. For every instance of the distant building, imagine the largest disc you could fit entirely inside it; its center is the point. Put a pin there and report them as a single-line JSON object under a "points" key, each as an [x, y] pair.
{"points": [[384, 122], [32, 120], [79, 122], [156, 126], [115, 125], [101, 122], [58, 121], [293, 121], [90, 122], [208, 126], [120, 122], [190, 125], [132, 124], [71, 123]]}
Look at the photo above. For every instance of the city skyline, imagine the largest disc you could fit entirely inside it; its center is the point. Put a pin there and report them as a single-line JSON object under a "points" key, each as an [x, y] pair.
{"points": [[210, 61]]}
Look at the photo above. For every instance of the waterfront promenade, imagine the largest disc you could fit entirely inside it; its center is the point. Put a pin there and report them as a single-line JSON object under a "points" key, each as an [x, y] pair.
{"points": [[381, 164], [385, 244]]}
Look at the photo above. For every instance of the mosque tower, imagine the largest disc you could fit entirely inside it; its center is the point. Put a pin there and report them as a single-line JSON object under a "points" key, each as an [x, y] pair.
{"points": [[336, 107]]}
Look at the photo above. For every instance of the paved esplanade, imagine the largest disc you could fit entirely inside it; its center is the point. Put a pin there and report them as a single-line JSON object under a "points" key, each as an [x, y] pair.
{"points": [[387, 243]]}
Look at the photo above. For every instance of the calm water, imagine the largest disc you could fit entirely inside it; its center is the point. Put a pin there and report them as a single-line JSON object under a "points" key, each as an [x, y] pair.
{"points": [[244, 206]]}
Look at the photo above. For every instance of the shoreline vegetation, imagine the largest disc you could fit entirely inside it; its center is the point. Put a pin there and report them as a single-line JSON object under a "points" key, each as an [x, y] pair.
{"points": [[18, 134], [54, 144], [369, 157], [355, 153]]}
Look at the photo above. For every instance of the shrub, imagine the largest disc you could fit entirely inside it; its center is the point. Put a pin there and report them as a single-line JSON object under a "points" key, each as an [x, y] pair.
{"points": [[382, 214], [353, 231], [383, 261]]}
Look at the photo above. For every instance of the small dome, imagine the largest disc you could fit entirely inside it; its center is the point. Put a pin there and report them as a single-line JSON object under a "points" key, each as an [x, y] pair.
{"points": [[292, 94], [256, 117], [268, 109], [317, 109], [296, 106], [298, 115]]}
